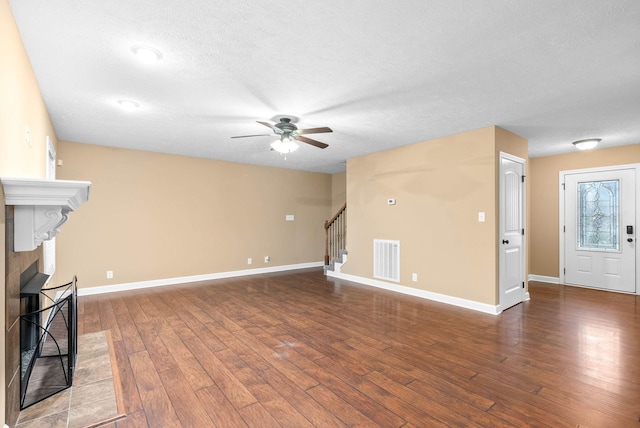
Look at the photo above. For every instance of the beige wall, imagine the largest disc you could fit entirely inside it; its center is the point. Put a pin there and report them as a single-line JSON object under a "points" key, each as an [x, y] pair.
{"points": [[156, 216], [21, 108], [545, 226], [338, 191], [440, 186]]}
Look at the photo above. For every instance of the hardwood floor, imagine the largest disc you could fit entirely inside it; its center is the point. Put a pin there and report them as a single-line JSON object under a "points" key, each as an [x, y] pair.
{"points": [[302, 350]]}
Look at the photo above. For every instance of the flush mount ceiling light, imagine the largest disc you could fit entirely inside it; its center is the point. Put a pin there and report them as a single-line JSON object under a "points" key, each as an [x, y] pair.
{"points": [[128, 105], [586, 144], [146, 53], [284, 145]]}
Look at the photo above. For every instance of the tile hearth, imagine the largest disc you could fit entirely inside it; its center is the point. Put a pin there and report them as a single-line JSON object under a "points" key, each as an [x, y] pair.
{"points": [[95, 397]]}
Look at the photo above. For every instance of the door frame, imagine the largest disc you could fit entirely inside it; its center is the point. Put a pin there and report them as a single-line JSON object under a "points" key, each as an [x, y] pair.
{"points": [[561, 237], [525, 266]]}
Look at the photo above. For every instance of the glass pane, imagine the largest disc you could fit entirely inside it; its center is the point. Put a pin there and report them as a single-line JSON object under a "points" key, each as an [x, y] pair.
{"points": [[598, 215]]}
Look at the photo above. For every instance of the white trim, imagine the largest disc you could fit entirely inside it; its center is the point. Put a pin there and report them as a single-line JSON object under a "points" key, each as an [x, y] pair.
{"points": [[561, 225], [41, 207], [561, 202], [513, 158], [436, 297], [542, 278], [194, 278]]}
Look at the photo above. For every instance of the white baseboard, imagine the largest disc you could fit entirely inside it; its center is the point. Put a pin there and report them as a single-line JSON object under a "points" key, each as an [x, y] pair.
{"points": [[542, 278], [194, 278], [442, 298]]}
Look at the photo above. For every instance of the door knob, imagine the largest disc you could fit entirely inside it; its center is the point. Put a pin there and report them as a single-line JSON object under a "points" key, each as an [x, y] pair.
{"points": [[629, 239], [505, 241]]}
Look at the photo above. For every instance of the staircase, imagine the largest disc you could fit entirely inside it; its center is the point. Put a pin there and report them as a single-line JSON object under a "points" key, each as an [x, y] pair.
{"points": [[335, 264], [335, 253]]}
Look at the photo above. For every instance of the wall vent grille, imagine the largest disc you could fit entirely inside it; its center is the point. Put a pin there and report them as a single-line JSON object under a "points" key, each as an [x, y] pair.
{"points": [[386, 259]]}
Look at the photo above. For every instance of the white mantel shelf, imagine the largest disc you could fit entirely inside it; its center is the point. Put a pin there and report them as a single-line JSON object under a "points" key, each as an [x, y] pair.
{"points": [[41, 207]]}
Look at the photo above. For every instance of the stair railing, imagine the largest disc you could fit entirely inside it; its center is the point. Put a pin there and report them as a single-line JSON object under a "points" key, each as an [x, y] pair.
{"points": [[335, 234]]}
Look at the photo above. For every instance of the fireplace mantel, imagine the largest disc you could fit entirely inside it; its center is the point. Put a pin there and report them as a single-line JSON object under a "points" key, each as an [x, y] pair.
{"points": [[41, 207]]}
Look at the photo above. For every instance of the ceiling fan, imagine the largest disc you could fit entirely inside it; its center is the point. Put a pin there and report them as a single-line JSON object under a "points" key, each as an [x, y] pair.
{"points": [[288, 133]]}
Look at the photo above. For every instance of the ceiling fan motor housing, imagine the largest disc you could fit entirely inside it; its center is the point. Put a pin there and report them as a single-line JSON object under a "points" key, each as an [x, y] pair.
{"points": [[285, 125]]}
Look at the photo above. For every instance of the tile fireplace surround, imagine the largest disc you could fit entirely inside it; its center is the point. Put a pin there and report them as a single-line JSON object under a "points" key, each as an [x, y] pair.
{"points": [[16, 263]]}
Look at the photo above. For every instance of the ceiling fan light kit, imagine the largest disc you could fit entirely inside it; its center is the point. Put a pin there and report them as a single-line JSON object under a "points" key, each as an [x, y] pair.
{"points": [[284, 145], [289, 133]]}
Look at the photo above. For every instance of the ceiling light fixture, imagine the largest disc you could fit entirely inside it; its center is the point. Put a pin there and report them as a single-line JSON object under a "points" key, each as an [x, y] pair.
{"points": [[128, 105], [284, 145], [586, 144], [146, 53]]}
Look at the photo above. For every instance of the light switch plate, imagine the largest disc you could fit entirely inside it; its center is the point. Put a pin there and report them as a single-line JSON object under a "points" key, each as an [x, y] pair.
{"points": [[481, 217]]}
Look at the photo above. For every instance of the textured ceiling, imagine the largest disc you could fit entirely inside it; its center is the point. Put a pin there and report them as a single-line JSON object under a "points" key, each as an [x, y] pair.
{"points": [[381, 74]]}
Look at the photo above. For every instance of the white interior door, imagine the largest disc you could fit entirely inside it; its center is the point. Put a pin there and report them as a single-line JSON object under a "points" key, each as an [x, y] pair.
{"points": [[599, 229], [511, 240]]}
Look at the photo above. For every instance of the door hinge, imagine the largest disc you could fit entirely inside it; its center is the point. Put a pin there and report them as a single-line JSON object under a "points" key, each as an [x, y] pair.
{"points": [[522, 284], [564, 271], [562, 186], [523, 178], [522, 232], [564, 228]]}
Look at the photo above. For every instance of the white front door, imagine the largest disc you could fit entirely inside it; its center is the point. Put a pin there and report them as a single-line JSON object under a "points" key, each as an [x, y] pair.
{"points": [[599, 229], [511, 238]]}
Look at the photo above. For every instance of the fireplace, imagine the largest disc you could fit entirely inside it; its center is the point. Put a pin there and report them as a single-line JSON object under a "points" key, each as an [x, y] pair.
{"points": [[29, 303], [48, 336], [35, 209]]}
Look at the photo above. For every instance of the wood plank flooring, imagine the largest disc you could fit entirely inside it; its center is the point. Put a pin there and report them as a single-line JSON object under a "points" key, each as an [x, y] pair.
{"points": [[301, 350]]}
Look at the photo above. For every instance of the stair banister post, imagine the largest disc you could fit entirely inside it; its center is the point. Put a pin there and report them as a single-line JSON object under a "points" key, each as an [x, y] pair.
{"points": [[326, 242]]}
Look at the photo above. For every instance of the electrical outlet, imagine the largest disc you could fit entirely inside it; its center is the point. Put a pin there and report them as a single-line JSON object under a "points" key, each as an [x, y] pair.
{"points": [[109, 274], [414, 277], [266, 259], [249, 261]]}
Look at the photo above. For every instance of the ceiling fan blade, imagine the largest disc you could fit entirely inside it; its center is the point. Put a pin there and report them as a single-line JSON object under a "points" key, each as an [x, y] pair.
{"points": [[314, 130], [312, 142], [257, 135], [268, 125]]}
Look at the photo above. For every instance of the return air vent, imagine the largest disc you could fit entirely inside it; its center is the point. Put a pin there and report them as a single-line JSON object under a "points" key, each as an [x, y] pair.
{"points": [[386, 259]]}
